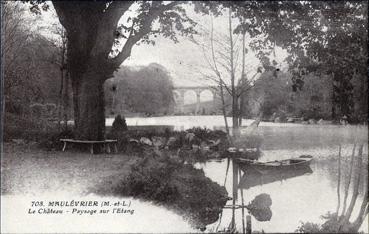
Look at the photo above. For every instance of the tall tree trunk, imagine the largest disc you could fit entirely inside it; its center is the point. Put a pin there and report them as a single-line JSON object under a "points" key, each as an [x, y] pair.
{"points": [[60, 99], [66, 100], [347, 186], [339, 182], [235, 129], [76, 95], [89, 108], [364, 211], [363, 208], [241, 110], [241, 97], [224, 109], [347, 216], [333, 109]]}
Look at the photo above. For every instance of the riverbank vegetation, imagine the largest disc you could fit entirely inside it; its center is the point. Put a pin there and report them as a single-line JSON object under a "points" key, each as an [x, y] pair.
{"points": [[166, 180]]}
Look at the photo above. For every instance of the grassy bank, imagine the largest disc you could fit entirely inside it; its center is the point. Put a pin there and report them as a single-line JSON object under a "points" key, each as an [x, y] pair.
{"points": [[163, 179]]}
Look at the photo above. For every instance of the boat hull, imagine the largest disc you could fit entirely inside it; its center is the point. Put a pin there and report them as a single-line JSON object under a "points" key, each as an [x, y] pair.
{"points": [[288, 164]]}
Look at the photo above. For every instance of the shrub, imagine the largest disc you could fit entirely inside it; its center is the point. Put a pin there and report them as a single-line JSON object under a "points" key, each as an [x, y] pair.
{"points": [[207, 134], [119, 132], [149, 179], [37, 110], [308, 227], [32, 129], [119, 124], [166, 180], [52, 141]]}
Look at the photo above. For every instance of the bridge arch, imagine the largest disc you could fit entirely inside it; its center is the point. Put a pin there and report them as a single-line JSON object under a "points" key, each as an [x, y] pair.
{"points": [[190, 96], [181, 96]]}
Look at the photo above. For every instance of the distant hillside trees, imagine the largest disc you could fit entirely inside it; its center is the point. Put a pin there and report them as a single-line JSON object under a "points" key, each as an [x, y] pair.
{"points": [[314, 100], [29, 62], [274, 95], [145, 90], [269, 95]]}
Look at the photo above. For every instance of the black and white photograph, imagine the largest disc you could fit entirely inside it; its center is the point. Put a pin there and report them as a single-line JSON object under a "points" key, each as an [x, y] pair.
{"points": [[184, 117]]}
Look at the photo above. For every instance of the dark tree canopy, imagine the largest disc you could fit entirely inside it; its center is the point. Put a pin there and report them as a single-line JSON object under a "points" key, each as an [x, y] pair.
{"points": [[147, 90], [321, 37]]}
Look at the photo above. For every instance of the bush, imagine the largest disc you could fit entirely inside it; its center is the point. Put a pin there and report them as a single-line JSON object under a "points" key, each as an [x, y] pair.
{"points": [[38, 110], [52, 141], [30, 129], [150, 180], [166, 180], [207, 134], [308, 227], [119, 124]]}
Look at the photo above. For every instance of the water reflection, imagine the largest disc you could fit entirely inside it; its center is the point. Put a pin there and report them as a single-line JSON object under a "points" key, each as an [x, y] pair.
{"points": [[297, 195], [253, 177]]}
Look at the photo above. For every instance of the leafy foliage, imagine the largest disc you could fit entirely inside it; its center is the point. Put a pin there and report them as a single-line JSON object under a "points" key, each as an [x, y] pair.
{"points": [[29, 63], [180, 186], [146, 90], [324, 38], [308, 227], [207, 134], [327, 38]]}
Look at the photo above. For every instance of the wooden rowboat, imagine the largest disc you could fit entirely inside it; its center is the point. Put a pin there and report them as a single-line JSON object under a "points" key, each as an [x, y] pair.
{"points": [[292, 163]]}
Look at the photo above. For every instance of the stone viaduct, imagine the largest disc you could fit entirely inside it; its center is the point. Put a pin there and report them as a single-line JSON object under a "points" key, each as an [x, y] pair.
{"points": [[179, 94]]}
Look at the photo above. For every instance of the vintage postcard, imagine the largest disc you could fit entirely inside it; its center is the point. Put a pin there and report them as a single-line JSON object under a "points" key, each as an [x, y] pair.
{"points": [[184, 117]]}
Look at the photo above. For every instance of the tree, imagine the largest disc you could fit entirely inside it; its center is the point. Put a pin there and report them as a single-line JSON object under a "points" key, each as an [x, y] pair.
{"points": [[93, 30], [146, 90], [271, 93], [327, 38], [225, 54], [14, 37], [314, 100], [28, 63]]}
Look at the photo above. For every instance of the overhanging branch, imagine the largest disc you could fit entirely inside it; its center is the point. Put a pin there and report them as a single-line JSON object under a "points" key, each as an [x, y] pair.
{"points": [[145, 29]]}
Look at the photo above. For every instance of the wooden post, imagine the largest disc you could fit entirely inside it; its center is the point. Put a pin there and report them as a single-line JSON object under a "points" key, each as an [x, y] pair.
{"points": [[115, 147], [248, 224], [234, 187], [235, 178], [243, 208], [92, 149]]}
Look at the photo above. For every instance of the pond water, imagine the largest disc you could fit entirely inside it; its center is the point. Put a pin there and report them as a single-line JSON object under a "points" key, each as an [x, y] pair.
{"points": [[298, 198], [185, 122], [302, 196]]}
